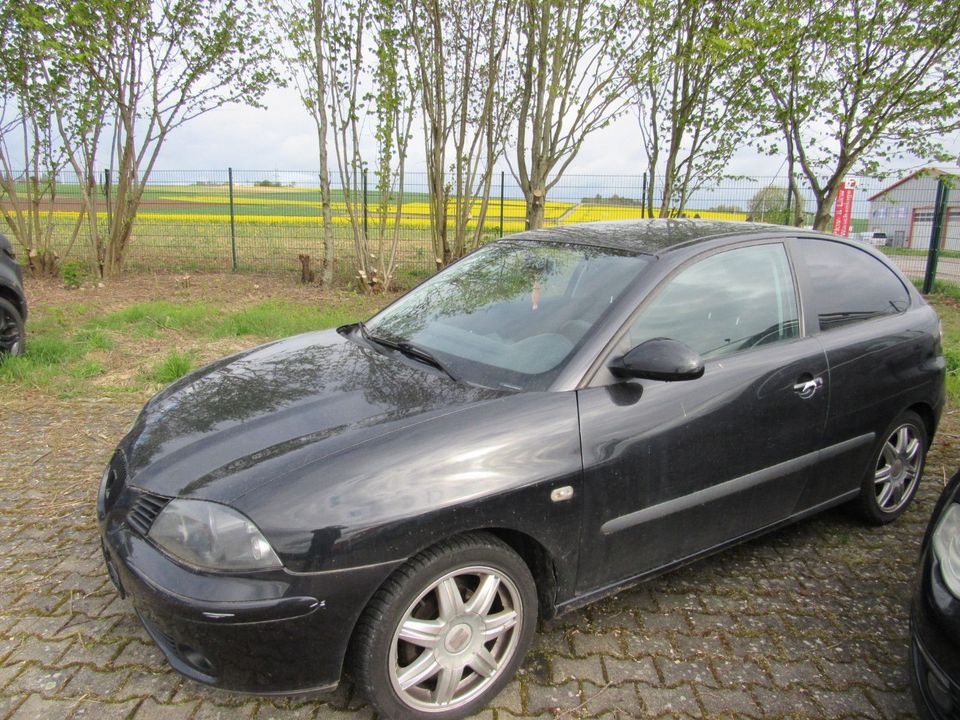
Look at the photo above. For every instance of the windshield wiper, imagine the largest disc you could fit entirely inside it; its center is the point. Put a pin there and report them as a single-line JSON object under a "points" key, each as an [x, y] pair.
{"points": [[423, 355], [409, 349]]}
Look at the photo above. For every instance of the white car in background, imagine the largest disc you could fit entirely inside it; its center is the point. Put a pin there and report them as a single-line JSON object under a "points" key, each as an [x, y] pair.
{"points": [[873, 237]]}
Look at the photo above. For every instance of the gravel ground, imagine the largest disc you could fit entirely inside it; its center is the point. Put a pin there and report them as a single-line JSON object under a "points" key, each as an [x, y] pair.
{"points": [[808, 622]]}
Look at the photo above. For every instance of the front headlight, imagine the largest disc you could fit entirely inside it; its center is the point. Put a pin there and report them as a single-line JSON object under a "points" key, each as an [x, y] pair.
{"points": [[946, 546], [213, 536]]}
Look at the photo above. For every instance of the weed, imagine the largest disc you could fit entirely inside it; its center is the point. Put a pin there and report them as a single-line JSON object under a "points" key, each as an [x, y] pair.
{"points": [[96, 339], [86, 370], [72, 273], [173, 367]]}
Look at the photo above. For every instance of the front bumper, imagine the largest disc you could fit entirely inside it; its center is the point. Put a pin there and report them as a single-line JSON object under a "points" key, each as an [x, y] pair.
{"points": [[272, 632]]}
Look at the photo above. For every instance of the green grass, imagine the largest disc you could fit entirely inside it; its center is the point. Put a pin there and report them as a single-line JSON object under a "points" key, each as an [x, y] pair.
{"points": [[944, 289], [277, 318], [53, 362], [946, 300], [918, 252], [70, 348], [173, 367], [145, 319]]}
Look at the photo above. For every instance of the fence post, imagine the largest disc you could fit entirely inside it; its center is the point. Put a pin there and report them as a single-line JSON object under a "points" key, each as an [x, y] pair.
{"points": [[643, 198], [786, 212], [106, 196], [940, 209], [366, 233], [233, 227], [501, 202]]}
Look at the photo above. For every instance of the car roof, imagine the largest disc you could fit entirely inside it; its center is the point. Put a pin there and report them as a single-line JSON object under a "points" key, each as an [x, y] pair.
{"points": [[647, 236]]}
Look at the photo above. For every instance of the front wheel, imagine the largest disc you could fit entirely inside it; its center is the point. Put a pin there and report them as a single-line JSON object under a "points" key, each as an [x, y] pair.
{"points": [[447, 631], [892, 479]]}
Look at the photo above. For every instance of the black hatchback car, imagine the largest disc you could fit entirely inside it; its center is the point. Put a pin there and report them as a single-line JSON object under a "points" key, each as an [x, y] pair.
{"points": [[13, 304], [560, 414]]}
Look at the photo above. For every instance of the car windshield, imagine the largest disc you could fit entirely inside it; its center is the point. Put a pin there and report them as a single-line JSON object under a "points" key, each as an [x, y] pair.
{"points": [[511, 314]]}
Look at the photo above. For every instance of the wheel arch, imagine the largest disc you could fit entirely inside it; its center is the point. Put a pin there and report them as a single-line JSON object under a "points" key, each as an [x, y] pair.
{"points": [[927, 416], [530, 550], [540, 563]]}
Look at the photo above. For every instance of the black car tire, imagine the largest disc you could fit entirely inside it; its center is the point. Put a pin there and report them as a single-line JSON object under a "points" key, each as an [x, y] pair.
{"points": [[413, 592], [13, 336], [886, 456]]}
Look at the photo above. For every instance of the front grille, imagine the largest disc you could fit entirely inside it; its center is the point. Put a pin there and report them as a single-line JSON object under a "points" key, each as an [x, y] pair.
{"points": [[144, 511]]}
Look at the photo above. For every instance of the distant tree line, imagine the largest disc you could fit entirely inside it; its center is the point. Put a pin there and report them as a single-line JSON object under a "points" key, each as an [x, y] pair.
{"points": [[836, 87]]}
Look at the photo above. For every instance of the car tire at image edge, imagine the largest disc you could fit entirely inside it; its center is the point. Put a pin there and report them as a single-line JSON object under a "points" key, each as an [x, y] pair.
{"points": [[12, 331], [893, 476], [446, 631]]}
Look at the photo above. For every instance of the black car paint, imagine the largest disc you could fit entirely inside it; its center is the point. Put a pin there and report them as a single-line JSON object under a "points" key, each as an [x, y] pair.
{"points": [[342, 454], [935, 628], [655, 464]]}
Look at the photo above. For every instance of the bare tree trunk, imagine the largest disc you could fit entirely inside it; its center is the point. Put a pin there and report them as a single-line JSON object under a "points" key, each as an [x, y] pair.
{"points": [[536, 206], [825, 198], [570, 84], [322, 122]]}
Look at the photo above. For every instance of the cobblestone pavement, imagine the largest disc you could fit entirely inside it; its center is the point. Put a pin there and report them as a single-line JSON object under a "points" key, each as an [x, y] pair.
{"points": [[809, 622]]}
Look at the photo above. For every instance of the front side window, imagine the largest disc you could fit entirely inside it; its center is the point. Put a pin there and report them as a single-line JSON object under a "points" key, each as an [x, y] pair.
{"points": [[511, 314], [849, 285], [726, 303]]}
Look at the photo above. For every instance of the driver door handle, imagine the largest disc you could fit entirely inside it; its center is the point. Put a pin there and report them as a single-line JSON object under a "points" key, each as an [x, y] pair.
{"points": [[808, 388]]}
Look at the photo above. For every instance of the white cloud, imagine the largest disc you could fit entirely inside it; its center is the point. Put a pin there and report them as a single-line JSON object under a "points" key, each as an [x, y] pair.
{"points": [[283, 137]]}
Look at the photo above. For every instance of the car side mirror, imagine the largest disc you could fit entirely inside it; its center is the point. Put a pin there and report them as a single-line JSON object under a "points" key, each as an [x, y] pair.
{"points": [[659, 359]]}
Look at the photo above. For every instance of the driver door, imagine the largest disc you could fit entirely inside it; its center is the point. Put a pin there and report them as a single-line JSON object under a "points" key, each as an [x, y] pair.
{"points": [[673, 469]]}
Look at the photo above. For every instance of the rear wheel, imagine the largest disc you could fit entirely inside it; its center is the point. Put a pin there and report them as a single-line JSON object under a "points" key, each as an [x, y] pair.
{"points": [[447, 631], [893, 477], [12, 332]]}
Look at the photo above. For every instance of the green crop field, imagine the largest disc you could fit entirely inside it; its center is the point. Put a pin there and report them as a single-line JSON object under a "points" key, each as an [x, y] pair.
{"points": [[188, 227]]}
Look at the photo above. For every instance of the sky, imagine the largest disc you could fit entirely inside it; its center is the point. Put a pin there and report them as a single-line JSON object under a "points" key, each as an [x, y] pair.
{"points": [[283, 137]]}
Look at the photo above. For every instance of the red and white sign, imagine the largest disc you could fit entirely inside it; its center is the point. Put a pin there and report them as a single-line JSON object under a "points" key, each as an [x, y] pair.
{"points": [[843, 209]]}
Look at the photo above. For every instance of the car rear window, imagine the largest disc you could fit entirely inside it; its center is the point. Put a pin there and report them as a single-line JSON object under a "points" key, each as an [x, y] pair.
{"points": [[849, 285]]}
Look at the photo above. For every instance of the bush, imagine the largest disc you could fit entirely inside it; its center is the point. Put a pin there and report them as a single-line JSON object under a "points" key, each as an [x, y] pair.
{"points": [[72, 274]]}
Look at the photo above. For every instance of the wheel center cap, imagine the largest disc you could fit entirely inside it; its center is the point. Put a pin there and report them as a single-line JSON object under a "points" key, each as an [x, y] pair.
{"points": [[458, 638], [896, 469]]}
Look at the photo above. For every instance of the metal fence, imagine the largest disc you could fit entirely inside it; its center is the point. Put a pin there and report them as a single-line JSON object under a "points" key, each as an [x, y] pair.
{"points": [[224, 220]]}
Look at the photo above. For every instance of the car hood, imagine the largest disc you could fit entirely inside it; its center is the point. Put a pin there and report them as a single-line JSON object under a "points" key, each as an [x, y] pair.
{"points": [[280, 405]]}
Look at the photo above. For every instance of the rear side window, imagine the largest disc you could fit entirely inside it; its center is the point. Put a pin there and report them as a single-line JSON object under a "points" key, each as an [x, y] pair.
{"points": [[849, 285]]}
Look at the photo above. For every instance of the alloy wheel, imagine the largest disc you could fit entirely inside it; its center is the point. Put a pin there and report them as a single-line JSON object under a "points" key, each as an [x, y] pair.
{"points": [[454, 639], [898, 468]]}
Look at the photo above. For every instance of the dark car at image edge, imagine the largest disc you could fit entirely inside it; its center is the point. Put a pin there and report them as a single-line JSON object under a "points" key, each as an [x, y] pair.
{"points": [[559, 415], [935, 612], [13, 303]]}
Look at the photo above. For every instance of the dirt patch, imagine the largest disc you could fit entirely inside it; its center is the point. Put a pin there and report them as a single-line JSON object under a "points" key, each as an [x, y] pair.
{"points": [[235, 289]]}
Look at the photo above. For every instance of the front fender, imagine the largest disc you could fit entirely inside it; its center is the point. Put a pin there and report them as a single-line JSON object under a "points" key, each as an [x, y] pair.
{"points": [[493, 465]]}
